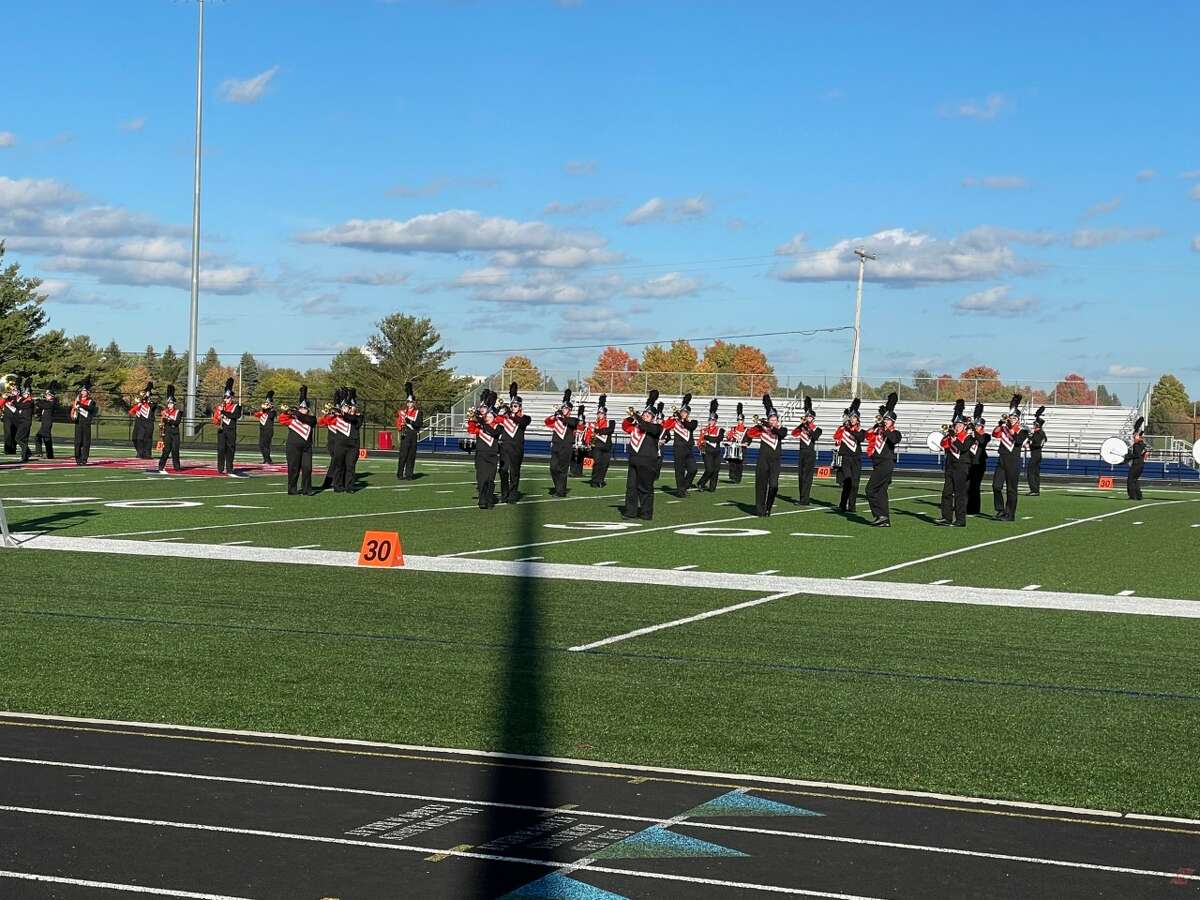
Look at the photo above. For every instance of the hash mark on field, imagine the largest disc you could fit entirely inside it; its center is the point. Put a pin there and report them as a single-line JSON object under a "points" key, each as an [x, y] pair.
{"points": [[768, 572], [233, 543], [1026, 518], [164, 540], [816, 534], [942, 581], [685, 568], [445, 492], [607, 562], [237, 506], [530, 558], [305, 547], [1031, 587], [1124, 593], [1139, 523], [669, 502]]}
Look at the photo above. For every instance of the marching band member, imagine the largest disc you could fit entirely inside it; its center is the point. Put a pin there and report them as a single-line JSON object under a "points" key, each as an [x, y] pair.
{"points": [[809, 434], [266, 415], [24, 419], [225, 417], [333, 439], [562, 423], [408, 428], [8, 405], [881, 447], [683, 426], [1037, 439], [142, 413], [581, 440], [1136, 457], [957, 444], [735, 446], [661, 420], [1008, 464], [348, 425], [644, 434], [710, 438], [849, 439], [602, 443], [770, 436], [978, 451], [46, 408], [298, 448], [486, 428], [83, 411], [512, 446], [172, 418]]}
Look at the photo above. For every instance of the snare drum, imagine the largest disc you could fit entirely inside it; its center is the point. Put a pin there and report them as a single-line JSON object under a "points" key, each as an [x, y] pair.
{"points": [[735, 450]]}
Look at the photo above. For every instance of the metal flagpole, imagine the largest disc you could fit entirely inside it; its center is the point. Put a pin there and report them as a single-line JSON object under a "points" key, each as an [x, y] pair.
{"points": [[863, 256], [192, 387]]}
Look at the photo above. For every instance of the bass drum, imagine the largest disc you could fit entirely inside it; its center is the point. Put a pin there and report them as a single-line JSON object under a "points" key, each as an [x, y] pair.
{"points": [[1113, 451], [934, 442], [1196, 452]]}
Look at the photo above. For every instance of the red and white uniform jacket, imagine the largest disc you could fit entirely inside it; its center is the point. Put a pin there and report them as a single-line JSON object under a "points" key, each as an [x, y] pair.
{"points": [[643, 439], [849, 443], [408, 422], [563, 428], [709, 438], [1009, 441], [769, 439], [809, 435], [958, 448]]}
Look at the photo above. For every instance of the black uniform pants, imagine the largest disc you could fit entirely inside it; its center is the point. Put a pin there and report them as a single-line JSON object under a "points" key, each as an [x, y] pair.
{"points": [[685, 470], [601, 459], [408, 454], [639, 489], [142, 443], [45, 445], [265, 435], [954, 494], [171, 449], [226, 447], [511, 459], [299, 463], [851, 471], [1133, 484], [560, 465], [877, 488], [766, 482], [333, 474], [1007, 478], [23, 441], [736, 467], [485, 479], [975, 487], [347, 464], [1033, 474], [712, 468], [808, 468], [10, 437], [83, 445]]}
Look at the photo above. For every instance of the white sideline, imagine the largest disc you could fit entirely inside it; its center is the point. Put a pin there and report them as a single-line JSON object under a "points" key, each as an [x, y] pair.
{"points": [[113, 886], [764, 584]]}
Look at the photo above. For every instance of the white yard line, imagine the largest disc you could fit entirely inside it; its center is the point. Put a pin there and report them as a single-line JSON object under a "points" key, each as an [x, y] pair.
{"points": [[113, 886], [942, 581], [1014, 537]]}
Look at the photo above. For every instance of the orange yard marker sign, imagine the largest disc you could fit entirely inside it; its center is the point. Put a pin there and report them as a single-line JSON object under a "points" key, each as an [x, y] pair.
{"points": [[824, 472], [1105, 483], [381, 549], [158, 446], [362, 452]]}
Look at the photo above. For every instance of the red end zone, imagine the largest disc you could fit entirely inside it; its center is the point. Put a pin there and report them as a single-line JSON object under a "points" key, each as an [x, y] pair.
{"points": [[190, 467]]}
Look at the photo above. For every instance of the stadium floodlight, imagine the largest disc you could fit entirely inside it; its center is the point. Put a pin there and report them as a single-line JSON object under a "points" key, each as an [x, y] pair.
{"points": [[863, 256], [192, 386]]}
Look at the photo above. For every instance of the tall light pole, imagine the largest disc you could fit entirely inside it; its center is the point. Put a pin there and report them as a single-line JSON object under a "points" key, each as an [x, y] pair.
{"points": [[863, 256], [192, 387]]}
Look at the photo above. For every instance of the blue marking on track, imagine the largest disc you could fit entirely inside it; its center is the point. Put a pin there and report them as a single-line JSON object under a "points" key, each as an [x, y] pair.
{"points": [[740, 803], [657, 842], [560, 887]]}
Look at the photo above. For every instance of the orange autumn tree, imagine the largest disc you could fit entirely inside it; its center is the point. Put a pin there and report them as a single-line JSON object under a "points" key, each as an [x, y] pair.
{"points": [[756, 375], [615, 372], [521, 370]]}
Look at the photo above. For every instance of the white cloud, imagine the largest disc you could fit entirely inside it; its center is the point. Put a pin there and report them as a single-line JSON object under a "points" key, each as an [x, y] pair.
{"points": [[997, 182], [578, 207], [51, 288], [134, 124], [248, 90], [1102, 208], [7, 139], [370, 279], [1196, 243], [974, 109], [580, 167], [35, 193], [595, 321], [216, 279], [1119, 371], [436, 186], [1190, 173], [1145, 175], [540, 288], [996, 301], [558, 258], [670, 285], [659, 209], [1091, 238], [1195, 192], [330, 305], [907, 258]]}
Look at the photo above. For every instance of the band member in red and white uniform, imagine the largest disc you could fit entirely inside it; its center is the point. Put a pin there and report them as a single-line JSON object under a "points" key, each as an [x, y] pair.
{"points": [[602, 443], [333, 439], [142, 412], [770, 436], [485, 426], [1037, 439], [171, 419], [225, 417], [582, 437], [644, 435], [848, 440], [408, 429], [881, 448], [683, 426], [709, 440], [83, 412], [1136, 457], [512, 446], [348, 426], [562, 442], [957, 441], [979, 457], [298, 449], [8, 409], [1009, 436], [23, 421], [265, 414], [735, 446], [808, 433], [45, 411]]}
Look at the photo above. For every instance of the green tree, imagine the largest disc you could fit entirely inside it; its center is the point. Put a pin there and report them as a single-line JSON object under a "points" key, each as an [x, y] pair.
{"points": [[250, 375], [1170, 408], [150, 360], [284, 382], [171, 369], [111, 378], [21, 320], [210, 361], [407, 348], [1104, 397], [521, 370]]}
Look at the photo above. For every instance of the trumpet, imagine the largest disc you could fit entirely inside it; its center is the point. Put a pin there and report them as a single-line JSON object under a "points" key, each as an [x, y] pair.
{"points": [[945, 429], [632, 413]]}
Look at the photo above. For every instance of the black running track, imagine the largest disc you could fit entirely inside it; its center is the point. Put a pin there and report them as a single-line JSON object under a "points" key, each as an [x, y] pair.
{"points": [[94, 809]]}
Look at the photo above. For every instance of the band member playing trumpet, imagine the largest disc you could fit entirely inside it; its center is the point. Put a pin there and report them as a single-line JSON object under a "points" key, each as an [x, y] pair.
{"points": [[225, 417], [683, 426], [735, 446], [644, 434], [956, 442], [602, 443], [881, 448], [8, 407], [770, 436], [562, 442], [709, 440], [408, 428], [298, 448], [45, 411], [486, 427], [83, 413], [266, 414], [1037, 439], [582, 440], [142, 412], [347, 424], [1007, 479], [1136, 457], [172, 418], [512, 446], [333, 439], [849, 439], [808, 433], [23, 420], [978, 452]]}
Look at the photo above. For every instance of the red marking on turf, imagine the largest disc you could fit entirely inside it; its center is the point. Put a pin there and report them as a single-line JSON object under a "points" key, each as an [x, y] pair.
{"points": [[190, 467], [1182, 879]]}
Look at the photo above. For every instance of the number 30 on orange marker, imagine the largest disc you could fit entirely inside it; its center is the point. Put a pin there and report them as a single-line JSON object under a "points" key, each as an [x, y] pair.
{"points": [[382, 549]]}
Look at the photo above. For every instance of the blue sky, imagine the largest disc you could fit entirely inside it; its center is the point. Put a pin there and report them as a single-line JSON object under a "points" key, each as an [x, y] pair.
{"points": [[562, 173]]}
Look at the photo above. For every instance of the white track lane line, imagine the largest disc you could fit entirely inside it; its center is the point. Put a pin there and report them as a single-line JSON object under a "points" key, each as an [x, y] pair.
{"points": [[1014, 537], [428, 851], [113, 886]]}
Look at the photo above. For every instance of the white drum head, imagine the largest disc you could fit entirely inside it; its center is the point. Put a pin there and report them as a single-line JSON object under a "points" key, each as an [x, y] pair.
{"points": [[1196, 452], [934, 441], [1113, 451]]}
